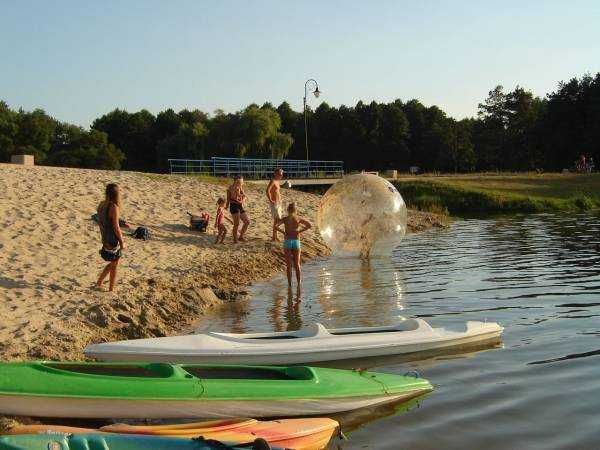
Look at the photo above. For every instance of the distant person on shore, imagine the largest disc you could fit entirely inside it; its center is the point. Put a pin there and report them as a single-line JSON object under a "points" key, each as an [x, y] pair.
{"points": [[293, 226], [274, 198], [110, 231], [582, 163], [219, 219], [235, 202]]}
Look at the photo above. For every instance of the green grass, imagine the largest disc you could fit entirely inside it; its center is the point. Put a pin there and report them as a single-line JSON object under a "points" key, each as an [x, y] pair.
{"points": [[210, 179], [504, 193], [199, 177]]}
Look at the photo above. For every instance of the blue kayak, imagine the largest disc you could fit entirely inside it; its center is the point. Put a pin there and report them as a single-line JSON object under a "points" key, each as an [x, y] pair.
{"points": [[101, 441]]}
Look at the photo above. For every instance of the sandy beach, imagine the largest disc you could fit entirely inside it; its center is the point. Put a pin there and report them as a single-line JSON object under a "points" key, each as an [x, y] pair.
{"points": [[49, 257]]}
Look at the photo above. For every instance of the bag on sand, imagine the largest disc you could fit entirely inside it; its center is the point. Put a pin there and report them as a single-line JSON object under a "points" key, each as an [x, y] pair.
{"points": [[141, 233], [199, 223]]}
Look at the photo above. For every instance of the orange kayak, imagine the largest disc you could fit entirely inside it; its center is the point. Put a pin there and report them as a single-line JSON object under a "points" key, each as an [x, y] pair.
{"points": [[298, 434]]}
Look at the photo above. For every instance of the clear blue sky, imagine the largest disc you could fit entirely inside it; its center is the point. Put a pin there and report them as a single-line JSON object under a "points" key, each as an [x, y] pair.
{"points": [[81, 59]]}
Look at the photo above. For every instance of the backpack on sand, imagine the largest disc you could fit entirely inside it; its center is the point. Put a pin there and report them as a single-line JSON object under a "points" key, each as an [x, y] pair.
{"points": [[141, 233]]}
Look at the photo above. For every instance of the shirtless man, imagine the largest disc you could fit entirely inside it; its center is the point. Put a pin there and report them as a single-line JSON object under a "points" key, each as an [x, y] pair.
{"points": [[274, 198], [235, 202]]}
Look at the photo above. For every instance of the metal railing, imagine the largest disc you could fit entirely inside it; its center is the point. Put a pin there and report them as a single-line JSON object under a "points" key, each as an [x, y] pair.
{"points": [[254, 168]]}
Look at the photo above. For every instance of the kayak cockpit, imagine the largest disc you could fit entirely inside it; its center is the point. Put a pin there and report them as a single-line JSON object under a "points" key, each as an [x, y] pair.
{"points": [[203, 372], [155, 370], [404, 325], [311, 331], [238, 373]]}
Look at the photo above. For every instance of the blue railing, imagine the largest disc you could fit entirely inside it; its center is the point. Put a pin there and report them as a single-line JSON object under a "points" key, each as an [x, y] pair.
{"points": [[257, 168]]}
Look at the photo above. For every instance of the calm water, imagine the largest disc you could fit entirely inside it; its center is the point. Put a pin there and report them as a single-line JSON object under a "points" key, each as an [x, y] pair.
{"points": [[539, 276]]}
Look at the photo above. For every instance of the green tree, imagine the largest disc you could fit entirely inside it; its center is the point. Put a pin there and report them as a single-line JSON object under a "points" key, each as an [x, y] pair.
{"points": [[133, 134], [35, 133], [188, 143], [8, 131], [75, 147]]}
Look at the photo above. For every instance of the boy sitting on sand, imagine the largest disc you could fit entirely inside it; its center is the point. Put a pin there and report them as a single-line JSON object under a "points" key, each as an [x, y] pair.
{"points": [[219, 225], [200, 221], [293, 226]]}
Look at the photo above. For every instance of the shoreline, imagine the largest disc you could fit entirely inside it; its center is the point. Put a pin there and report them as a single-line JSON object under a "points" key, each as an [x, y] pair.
{"points": [[50, 245], [50, 249], [491, 194]]}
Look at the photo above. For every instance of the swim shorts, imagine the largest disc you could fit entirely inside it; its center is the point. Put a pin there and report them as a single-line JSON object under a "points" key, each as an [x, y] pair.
{"points": [[110, 255], [275, 210], [236, 208], [291, 244]]}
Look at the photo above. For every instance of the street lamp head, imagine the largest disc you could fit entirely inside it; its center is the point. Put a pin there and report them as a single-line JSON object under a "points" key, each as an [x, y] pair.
{"points": [[317, 92]]}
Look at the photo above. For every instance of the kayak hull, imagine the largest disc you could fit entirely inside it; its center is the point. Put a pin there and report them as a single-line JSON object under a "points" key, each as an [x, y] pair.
{"points": [[314, 345], [294, 434], [170, 391], [52, 441], [88, 408]]}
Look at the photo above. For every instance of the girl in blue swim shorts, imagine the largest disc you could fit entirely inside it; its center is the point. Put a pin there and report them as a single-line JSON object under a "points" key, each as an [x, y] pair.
{"points": [[293, 226]]}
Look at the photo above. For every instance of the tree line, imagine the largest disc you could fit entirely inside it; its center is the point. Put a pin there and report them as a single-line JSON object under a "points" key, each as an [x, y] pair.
{"points": [[513, 131]]}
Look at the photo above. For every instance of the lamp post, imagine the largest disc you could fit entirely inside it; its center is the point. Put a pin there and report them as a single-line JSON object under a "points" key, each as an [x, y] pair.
{"points": [[312, 86]]}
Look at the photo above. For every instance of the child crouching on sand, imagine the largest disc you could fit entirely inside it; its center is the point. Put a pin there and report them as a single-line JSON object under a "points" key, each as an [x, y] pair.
{"points": [[220, 217], [293, 226]]}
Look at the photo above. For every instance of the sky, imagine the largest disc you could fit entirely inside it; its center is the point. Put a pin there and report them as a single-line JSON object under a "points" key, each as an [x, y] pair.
{"points": [[81, 59]]}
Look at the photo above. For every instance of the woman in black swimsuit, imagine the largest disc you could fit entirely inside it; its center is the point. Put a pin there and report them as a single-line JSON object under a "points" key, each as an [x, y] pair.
{"points": [[110, 231], [235, 203]]}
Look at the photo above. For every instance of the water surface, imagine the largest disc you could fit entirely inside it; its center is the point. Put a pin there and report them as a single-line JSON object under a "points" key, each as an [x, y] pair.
{"points": [[538, 276]]}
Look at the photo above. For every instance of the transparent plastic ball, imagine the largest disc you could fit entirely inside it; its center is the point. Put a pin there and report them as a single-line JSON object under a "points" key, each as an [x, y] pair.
{"points": [[362, 215]]}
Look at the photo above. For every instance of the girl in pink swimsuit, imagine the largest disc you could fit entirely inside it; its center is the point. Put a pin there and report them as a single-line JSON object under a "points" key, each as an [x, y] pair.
{"points": [[219, 225]]}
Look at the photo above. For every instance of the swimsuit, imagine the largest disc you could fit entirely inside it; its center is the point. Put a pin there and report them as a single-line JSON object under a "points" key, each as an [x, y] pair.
{"points": [[291, 244], [220, 217], [235, 201], [110, 250], [236, 208], [275, 210]]}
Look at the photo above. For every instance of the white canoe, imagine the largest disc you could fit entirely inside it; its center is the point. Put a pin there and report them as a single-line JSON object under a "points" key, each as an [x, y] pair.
{"points": [[312, 344]]}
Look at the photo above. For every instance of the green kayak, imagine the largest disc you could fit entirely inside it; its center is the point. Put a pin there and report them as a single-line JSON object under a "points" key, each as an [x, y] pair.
{"points": [[159, 390], [93, 441]]}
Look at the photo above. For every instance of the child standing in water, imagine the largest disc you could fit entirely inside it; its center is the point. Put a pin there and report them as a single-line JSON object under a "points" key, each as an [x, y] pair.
{"points": [[292, 227], [220, 217]]}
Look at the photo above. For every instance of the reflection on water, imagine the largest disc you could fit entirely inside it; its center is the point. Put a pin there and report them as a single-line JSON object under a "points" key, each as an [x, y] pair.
{"points": [[337, 292], [538, 276], [352, 420]]}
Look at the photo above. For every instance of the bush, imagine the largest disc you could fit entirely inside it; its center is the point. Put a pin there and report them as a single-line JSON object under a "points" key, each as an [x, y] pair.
{"points": [[583, 202], [429, 203], [437, 197]]}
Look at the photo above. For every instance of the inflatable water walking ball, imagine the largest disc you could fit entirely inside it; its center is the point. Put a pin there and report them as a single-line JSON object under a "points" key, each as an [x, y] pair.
{"points": [[362, 215]]}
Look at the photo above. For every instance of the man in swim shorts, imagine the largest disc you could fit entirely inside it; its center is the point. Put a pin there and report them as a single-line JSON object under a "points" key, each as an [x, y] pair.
{"points": [[274, 198]]}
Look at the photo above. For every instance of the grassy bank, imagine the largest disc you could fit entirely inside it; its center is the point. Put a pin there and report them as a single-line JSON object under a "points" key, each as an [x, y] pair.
{"points": [[506, 193]]}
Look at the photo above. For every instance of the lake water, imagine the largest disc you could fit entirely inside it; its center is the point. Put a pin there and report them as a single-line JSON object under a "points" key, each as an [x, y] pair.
{"points": [[537, 275]]}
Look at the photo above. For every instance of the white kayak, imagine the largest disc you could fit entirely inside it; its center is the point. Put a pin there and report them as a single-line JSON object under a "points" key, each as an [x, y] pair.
{"points": [[312, 344]]}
